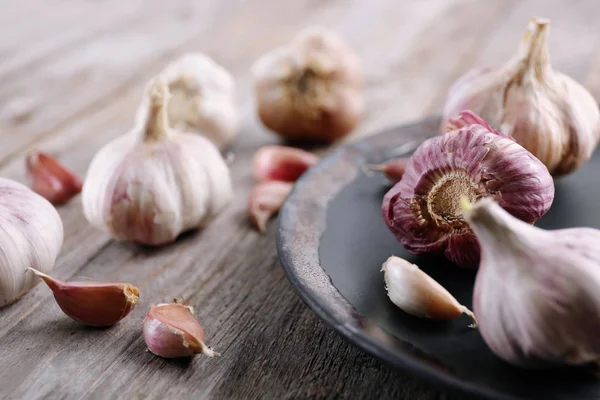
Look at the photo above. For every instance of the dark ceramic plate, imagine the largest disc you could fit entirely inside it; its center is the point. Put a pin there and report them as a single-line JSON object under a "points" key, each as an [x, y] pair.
{"points": [[332, 241]]}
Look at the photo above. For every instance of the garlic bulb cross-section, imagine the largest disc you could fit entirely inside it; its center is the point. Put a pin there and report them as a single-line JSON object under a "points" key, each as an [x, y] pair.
{"points": [[202, 99], [154, 183], [31, 235], [547, 112]]}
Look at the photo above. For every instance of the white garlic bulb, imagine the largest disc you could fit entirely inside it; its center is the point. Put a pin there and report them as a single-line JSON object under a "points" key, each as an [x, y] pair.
{"points": [[31, 236], [537, 292], [202, 99], [154, 183], [547, 112]]}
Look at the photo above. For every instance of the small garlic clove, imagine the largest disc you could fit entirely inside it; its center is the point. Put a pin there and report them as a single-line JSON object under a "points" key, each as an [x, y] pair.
{"points": [[50, 179], [93, 303], [393, 169], [416, 293], [171, 331], [265, 200], [281, 163]]}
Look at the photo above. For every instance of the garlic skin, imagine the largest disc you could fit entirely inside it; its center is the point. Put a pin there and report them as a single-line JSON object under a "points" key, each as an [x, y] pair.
{"points": [[50, 179], [202, 99], [537, 292], [418, 294], [31, 236], [310, 89], [265, 200], [471, 160], [170, 331], [93, 303], [281, 163], [154, 183], [547, 112]]}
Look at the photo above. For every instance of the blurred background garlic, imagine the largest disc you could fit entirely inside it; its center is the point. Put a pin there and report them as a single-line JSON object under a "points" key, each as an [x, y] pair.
{"points": [[202, 99], [547, 112], [31, 236], [537, 292], [311, 88], [154, 183]]}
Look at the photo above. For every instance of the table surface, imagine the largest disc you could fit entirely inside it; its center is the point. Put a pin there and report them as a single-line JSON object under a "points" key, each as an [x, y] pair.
{"points": [[71, 76]]}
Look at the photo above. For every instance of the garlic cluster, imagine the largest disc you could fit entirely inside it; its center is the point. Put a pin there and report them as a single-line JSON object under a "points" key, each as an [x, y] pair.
{"points": [[93, 303], [152, 184], [171, 330], [537, 292], [471, 160], [311, 88], [418, 294], [547, 112], [31, 236], [202, 99]]}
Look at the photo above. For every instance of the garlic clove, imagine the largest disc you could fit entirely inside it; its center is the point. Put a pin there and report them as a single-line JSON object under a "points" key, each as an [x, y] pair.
{"points": [[203, 99], [393, 169], [171, 331], [281, 163], [416, 293], [50, 179], [537, 292], [93, 303], [547, 112], [423, 209], [265, 200], [310, 89]]}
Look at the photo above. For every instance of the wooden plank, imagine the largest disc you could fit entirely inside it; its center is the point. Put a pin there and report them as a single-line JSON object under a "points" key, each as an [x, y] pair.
{"points": [[273, 346]]}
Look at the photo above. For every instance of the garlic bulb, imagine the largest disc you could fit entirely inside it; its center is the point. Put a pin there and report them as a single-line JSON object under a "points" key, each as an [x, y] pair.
{"points": [[547, 112], [31, 236], [418, 294], [311, 88], [471, 160], [202, 101], [537, 292], [154, 183]]}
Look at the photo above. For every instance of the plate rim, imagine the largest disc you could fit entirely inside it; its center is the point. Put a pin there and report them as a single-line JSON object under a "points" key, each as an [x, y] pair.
{"points": [[342, 316]]}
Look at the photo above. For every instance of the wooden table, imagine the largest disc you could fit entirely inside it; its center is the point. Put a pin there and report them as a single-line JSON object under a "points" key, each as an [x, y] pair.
{"points": [[71, 77]]}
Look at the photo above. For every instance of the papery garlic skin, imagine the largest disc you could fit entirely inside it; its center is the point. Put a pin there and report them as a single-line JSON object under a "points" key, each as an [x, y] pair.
{"points": [[472, 160], [310, 89], [154, 183], [537, 292], [547, 112], [202, 99], [31, 236], [416, 293], [170, 330]]}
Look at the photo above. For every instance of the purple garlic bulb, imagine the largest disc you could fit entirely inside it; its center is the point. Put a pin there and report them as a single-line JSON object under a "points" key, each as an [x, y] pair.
{"points": [[537, 292], [473, 161]]}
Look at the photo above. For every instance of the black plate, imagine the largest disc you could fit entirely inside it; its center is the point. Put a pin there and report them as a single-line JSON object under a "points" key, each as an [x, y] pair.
{"points": [[332, 241]]}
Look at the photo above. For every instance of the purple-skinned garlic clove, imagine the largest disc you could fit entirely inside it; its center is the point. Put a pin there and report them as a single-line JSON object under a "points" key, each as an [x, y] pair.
{"points": [[423, 209], [50, 179], [393, 170], [265, 200]]}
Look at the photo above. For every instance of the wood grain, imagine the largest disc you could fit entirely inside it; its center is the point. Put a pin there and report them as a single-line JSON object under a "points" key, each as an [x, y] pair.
{"points": [[71, 76]]}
